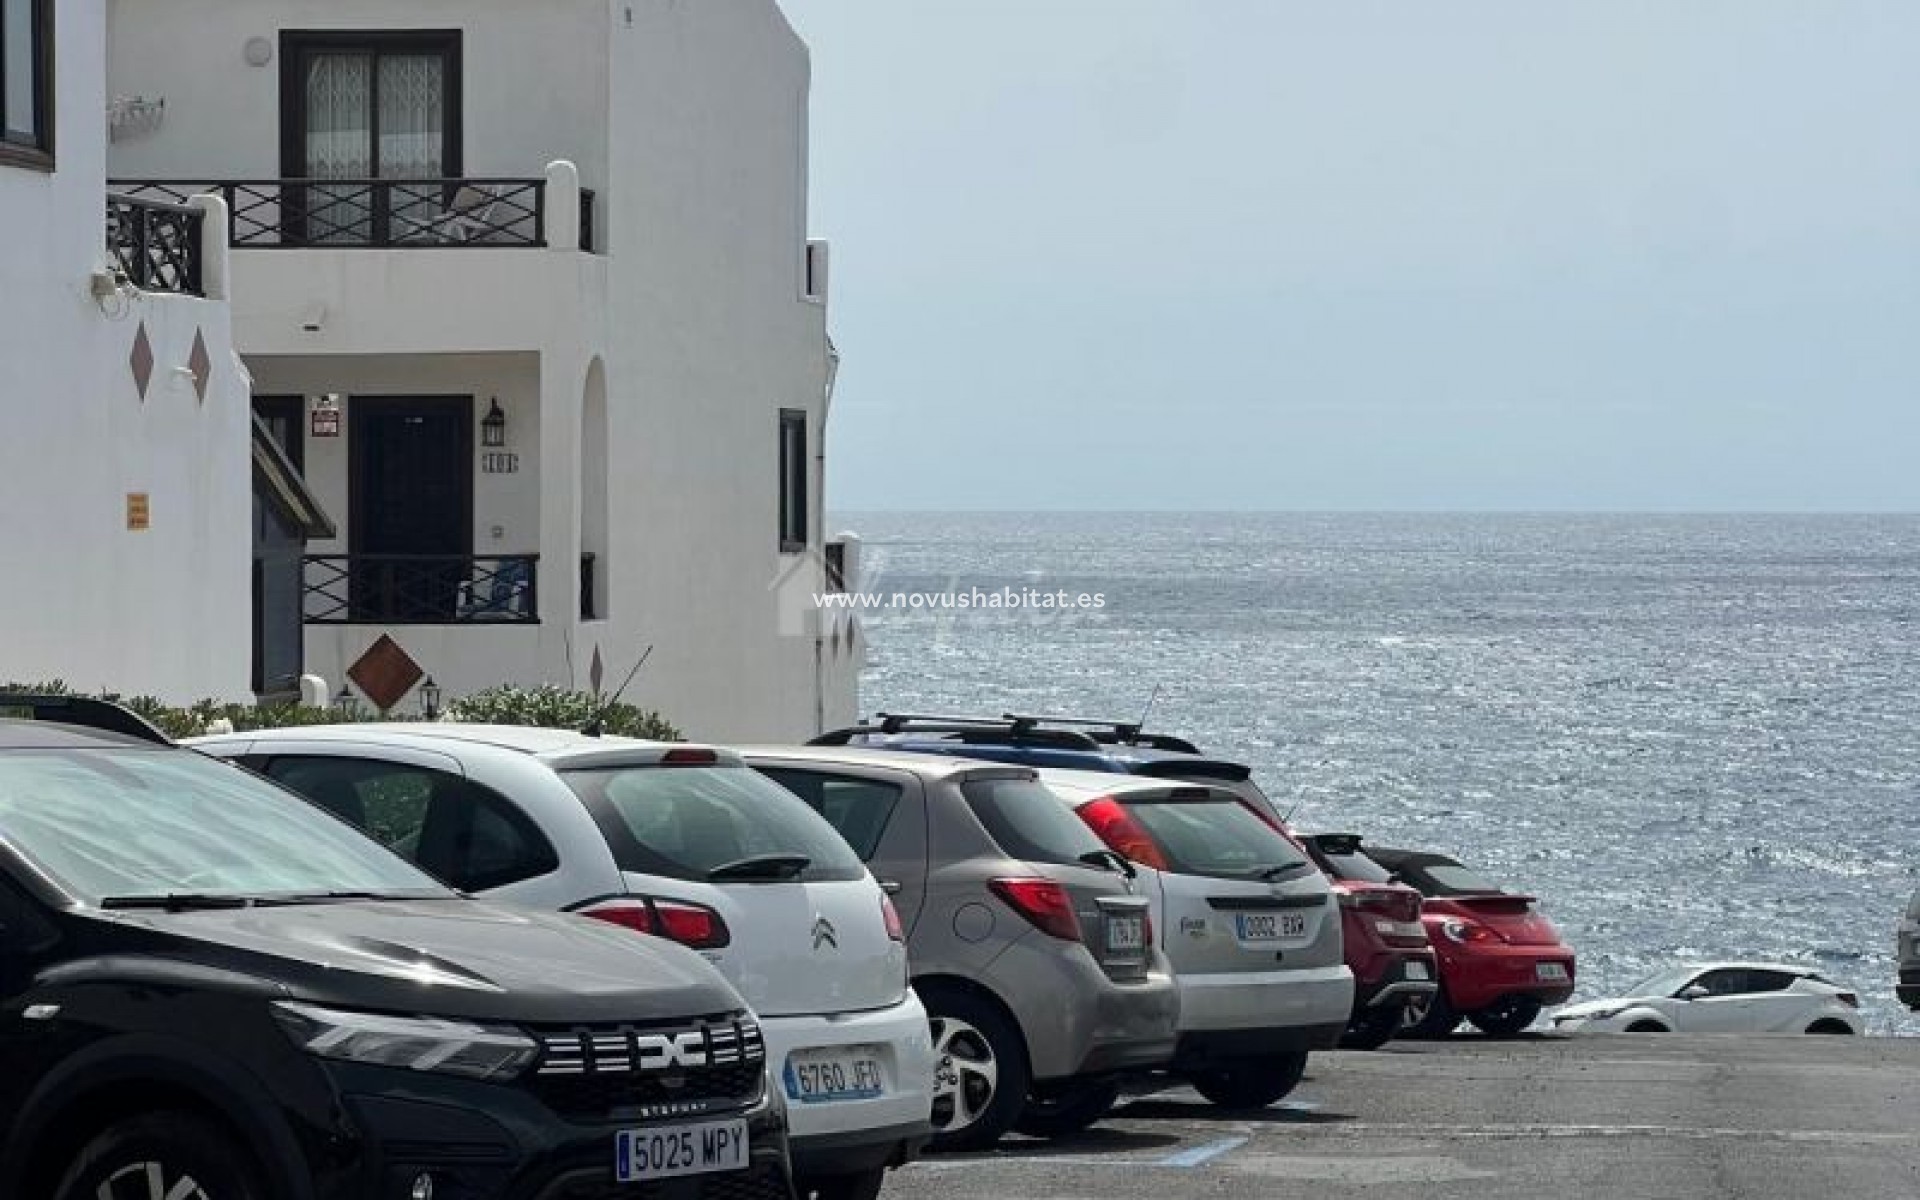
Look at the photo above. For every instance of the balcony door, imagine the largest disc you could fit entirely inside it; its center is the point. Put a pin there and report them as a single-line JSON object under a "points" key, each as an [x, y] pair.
{"points": [[359, 107], [411, 501]]}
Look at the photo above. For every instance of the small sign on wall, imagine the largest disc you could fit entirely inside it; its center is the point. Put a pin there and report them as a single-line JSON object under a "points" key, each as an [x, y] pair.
{"points": [[139, 512], [325, 421], [500, 462]]}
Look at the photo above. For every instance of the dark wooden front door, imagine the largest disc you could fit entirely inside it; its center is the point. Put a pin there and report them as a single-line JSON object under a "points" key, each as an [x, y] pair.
{"points": [[411, 499]]}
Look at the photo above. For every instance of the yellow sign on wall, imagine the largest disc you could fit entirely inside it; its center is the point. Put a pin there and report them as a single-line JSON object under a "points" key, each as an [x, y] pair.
{"points": [[139, 512]]}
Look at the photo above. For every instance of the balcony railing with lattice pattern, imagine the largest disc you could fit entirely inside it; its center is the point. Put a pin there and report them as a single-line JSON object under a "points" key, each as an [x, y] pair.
{"points": [[422, 589], [378, 214], [155, 244]]}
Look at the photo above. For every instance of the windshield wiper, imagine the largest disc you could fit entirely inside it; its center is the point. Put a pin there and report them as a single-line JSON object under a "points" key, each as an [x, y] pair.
{"points": [[330, 897], [1109, 860], [1269, 874], [180, 901], [762, 866]]}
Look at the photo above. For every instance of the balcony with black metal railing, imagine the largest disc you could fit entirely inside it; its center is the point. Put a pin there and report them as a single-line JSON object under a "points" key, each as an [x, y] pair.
{"points": [[380, 214], [421, 589], [157, 245]]}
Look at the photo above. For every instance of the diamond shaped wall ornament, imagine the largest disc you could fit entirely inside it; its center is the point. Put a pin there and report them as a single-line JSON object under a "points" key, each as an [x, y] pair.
{"points": [[141, 360], [201, 364], [385, 673], [597, 672]]}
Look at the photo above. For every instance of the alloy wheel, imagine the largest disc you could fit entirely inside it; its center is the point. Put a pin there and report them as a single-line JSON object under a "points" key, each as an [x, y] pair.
{"points": [[964, 1079], [149, 1181]]}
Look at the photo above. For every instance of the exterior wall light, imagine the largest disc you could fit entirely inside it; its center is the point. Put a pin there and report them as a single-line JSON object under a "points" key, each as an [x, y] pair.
{"points": [[430, 699], [493, 426]]}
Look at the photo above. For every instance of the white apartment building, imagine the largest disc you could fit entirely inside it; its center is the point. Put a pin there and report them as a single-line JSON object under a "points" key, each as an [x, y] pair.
{"points": [[126, 484], [527, 298]]}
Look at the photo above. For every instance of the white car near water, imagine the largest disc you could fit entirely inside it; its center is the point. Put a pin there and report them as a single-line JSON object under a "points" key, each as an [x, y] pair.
{"points": [[1723, 997]]}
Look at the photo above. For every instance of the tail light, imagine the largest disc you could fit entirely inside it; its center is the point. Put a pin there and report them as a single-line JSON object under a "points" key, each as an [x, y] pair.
{"points": [[693, 925], [1118, 829], [1042, 902], [1848, 999], [1146, 928], [890, 917], [1470, 933], [1391, 903], [689, 756]]}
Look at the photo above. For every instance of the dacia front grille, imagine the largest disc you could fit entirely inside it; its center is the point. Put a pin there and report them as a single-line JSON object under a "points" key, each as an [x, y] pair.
{"points": [[650, 1072]]}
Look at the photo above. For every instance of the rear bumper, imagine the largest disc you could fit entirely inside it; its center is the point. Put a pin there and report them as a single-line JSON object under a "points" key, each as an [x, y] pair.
{"points": [[1077, 1020], [1203, 1049], [1412, 975], [1485, 976], [861, 1150], [900, 1038], [1265, 1001]]}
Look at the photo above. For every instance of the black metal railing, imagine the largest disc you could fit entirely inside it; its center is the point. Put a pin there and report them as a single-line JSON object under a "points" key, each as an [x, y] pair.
{"points": [[421, 589], [156, 244], [373, 213], [589, 566], [836, 566]]}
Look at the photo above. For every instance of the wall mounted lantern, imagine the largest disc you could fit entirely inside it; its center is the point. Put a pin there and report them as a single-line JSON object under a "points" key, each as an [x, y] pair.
{"points": [[493, 426], [430, 699]]}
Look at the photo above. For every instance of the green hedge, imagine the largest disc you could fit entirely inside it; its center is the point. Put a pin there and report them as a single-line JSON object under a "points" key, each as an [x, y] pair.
{"points": [[546, 706]]}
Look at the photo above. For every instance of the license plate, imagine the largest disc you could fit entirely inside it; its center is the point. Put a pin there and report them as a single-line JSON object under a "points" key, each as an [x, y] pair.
{"points": [[1554, 972], [825, 1076], [1126, 935], [671, 1150], [1269, 927], [1418, 971]]}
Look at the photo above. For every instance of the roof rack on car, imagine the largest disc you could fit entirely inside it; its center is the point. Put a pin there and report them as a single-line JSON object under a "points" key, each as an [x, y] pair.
{"points": [[1020, 731], [1113, 733], [85, 711]]}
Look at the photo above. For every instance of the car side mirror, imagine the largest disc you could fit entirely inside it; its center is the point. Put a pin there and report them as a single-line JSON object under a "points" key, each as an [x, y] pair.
{"points": [[1694, 992]]}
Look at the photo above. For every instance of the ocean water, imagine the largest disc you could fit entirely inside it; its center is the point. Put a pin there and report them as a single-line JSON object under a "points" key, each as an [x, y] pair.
{"points": [[1691, 737]]}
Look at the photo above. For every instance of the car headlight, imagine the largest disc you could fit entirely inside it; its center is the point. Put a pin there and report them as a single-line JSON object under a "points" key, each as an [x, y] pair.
{"points": [[1602, 1014], [416, 1043]]}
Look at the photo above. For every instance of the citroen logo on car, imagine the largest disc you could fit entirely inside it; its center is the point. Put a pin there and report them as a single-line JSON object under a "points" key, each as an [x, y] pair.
{"points": [[823, 934]]}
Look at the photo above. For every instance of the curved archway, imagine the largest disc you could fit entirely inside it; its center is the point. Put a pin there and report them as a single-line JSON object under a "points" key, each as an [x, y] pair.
{"points": [[596, 568]]}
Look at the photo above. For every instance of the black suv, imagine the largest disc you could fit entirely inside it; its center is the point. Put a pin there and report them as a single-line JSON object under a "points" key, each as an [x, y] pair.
{"points": [[212, 990]]}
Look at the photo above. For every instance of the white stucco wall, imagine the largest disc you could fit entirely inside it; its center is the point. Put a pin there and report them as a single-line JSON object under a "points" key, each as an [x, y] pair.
{"points": [[164, 611]]}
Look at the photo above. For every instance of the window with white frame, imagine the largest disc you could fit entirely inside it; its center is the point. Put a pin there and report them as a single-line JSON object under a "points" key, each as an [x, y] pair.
{"points": [[26, 83]]}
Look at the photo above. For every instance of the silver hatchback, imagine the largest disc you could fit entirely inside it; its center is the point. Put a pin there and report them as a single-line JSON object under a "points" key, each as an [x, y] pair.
{"points": [[1028, 940]]}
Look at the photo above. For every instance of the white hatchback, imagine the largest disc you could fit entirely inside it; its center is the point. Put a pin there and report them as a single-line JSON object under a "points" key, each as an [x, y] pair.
{"points": [[1725, 997], [683, 842], [1249, 924]]}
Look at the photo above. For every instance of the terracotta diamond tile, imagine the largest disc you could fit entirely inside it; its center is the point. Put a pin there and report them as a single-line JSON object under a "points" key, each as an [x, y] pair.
{"points": [[201, 364], [141, 360], [385, 673]]}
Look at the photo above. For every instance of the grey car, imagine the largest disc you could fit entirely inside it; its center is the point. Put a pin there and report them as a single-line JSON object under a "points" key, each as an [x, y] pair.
{"points": [[1907, 935], [1029, 941]]}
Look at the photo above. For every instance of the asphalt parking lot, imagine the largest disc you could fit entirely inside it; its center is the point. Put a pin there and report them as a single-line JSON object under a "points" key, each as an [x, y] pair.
{"points": [[1707, 1118]]}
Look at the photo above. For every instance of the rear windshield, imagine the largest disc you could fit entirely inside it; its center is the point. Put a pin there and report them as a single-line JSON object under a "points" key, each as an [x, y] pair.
{"points": [[1356, 866], [1214, 837], [1450, 879], [688, 822], [1029, 821]]}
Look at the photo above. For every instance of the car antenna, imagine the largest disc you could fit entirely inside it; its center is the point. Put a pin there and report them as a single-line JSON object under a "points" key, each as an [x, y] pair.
{"points": [[1148, 710], [597, 724]]}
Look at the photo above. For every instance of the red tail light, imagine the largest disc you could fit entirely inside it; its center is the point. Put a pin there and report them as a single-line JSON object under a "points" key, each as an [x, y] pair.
{"points": [[693, 925], [1118, 829], [1469, 932], [890, 917], [689, 756], [1392, 903], [1043, 902]]}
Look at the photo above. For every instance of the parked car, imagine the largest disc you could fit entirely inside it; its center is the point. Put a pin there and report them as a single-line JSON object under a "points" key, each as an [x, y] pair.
{"points": [[679, 841], [1907, 943], [1250, 928], [1395, 970], [1034, 951], [1725, 997], [212, 989], [1501, 960], [1387, 951]]}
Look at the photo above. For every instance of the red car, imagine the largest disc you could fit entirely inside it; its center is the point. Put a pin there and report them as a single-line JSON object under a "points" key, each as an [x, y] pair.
{"points": [[1501, 961], [1388, 950]]}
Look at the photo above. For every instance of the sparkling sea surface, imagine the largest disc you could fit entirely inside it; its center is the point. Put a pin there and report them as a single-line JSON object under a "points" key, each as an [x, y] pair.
{"points": [[1691, 736]]}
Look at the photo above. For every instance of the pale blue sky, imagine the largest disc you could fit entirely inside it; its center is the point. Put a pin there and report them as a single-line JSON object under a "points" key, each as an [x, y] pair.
{"points": [[1270, 255]]}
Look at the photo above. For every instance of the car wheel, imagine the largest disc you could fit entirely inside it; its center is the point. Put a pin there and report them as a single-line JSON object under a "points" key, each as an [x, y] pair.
{"points": [[1507, 1017], [980, 1077], [161, 1156], [1647, 1027], [1255, 1083], [1432, 1017], [860, 1185], [1373, 1028], [1066, 1111], [1839, 1027]]}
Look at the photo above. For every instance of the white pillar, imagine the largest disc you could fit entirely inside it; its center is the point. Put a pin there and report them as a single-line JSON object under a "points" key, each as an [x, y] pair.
{"points": [[563, 206], [215, 245]]}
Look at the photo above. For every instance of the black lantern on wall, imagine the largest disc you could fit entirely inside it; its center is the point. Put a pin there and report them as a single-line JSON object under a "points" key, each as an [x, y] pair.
{"points": [[493, 426], [430, 699]]}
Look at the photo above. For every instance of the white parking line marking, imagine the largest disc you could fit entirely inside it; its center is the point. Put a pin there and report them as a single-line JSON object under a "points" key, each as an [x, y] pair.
{"points": [[1201, 1155]]}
